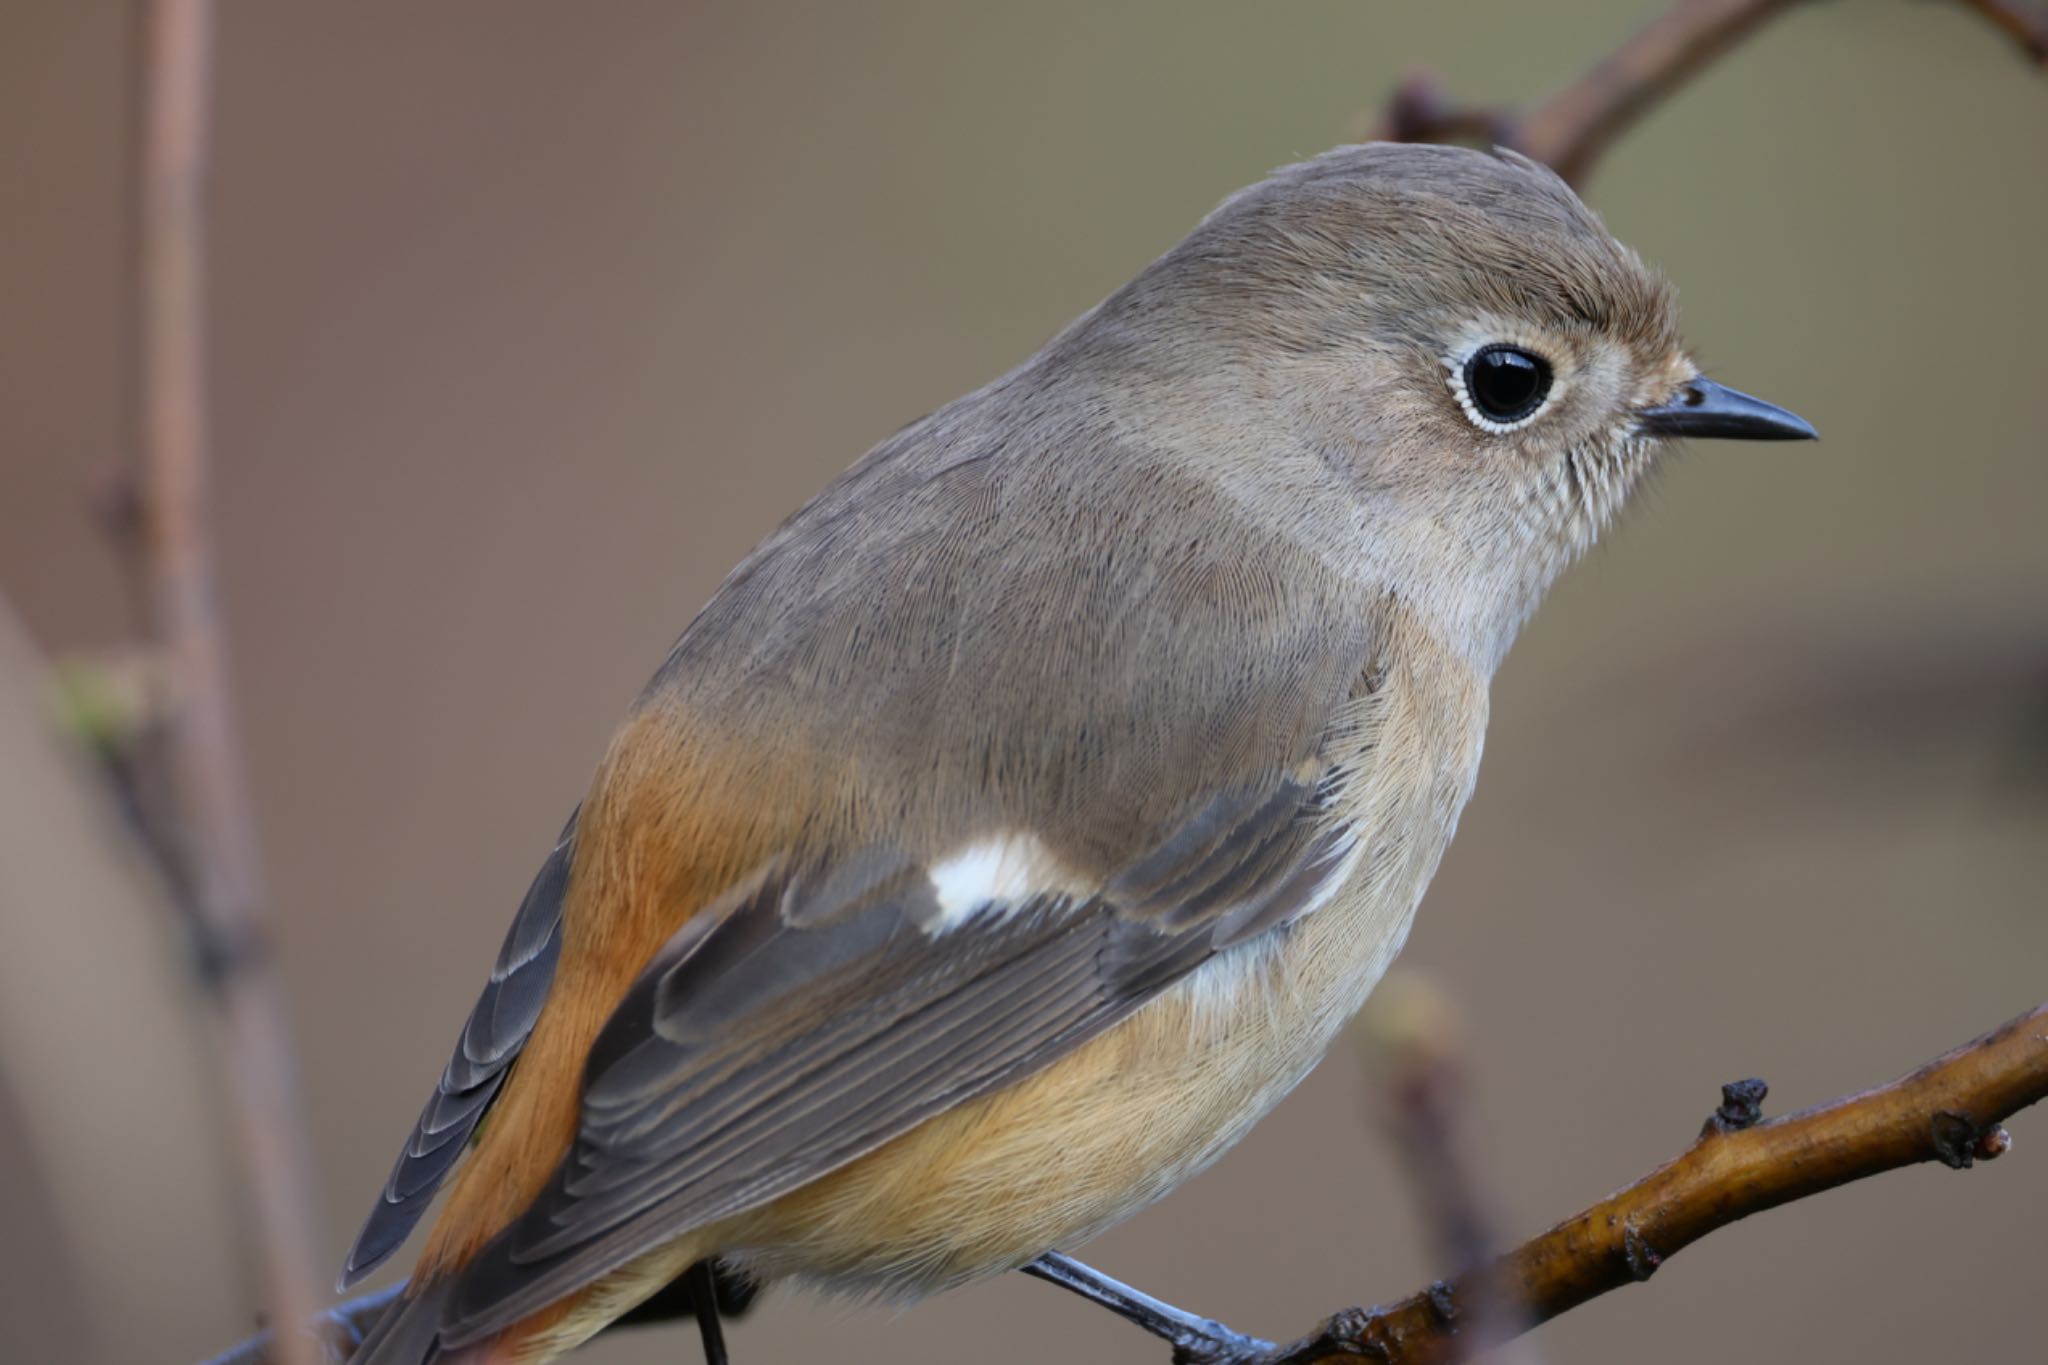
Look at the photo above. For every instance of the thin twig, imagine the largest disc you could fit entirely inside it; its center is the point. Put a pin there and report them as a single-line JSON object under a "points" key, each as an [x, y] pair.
{"points": [[1416, 1040], [1417, 1060], [1420, 111], [2025, 20], [1951, 1110], [1572, 129], [1948, 1111], [333, 1335], [217, 873], [338, 1331]]}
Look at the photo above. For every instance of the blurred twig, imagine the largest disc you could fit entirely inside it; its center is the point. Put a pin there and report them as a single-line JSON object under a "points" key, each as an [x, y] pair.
{"points": [[1570, 130], [209, 851], [1942, 708], [1413, 1029], [1950, 1110], [2025, 20], [333, 1336], [336, 1333], [1415, 1037]]}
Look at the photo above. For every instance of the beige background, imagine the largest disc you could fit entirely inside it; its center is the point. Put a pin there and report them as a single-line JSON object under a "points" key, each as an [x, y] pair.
{"points": [[531, 318]]}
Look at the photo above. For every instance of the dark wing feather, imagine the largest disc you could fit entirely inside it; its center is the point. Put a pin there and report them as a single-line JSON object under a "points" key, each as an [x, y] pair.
{"points": [[767, 1046], [496, 1031]]}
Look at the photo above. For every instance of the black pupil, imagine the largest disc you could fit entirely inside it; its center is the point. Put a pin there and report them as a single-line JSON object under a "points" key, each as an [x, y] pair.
{"points": [[1507, 383]]}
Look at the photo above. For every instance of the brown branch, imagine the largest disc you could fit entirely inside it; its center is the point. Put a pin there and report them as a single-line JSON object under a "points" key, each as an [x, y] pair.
{"points": [[1417, 1059], [213, 864], [332, 1337], [1950, 1111], [1416, 1040], [1570, 131], [2025, 21], [336, 1333]]}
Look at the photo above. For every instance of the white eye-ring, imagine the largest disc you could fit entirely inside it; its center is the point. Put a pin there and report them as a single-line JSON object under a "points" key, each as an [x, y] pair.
{"points": [[1503, 386]]}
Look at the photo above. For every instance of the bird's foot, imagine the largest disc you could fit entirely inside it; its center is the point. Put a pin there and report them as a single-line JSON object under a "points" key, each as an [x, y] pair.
{"points": [[1208, 1342], [1195, 1340]]}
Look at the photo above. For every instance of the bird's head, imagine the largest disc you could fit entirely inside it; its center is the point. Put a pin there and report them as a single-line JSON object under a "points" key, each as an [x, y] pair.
{"points": [[1456, 335]]}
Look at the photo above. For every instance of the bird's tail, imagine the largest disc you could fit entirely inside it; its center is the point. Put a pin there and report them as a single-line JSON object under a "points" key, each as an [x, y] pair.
{"points": [[409, 1333]]}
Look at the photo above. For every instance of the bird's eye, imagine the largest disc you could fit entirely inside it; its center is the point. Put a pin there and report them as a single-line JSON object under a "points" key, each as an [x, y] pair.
{"points": [[1505, 384]]}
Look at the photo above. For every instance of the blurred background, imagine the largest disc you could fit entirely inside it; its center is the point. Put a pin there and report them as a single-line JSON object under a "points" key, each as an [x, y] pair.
{"points": [[529, 319]]}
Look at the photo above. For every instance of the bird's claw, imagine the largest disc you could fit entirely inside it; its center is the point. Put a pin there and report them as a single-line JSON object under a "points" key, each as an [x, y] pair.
{"points": [[1214, 1344]]}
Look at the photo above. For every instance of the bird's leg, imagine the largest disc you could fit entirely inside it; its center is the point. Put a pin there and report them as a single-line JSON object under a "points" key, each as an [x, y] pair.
{"points": [[703, 1287], [1198, 1340]]}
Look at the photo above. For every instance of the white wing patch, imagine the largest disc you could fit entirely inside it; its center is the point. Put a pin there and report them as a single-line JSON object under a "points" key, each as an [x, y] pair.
{"points": [[1004, 870]]}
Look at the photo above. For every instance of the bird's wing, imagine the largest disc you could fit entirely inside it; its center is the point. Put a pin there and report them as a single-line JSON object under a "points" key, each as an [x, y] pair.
{"points": [[826, 1009], [936, 649], [491, 1040]]}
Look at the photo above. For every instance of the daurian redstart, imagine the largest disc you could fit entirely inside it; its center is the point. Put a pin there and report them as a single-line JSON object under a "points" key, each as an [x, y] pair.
{"points": [[1021, 819]]}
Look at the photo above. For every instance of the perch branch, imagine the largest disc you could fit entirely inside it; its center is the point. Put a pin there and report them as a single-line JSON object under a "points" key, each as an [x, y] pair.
{"points": [[1950, 1111], [1572, 129], [333, 1335], [210, 859]]}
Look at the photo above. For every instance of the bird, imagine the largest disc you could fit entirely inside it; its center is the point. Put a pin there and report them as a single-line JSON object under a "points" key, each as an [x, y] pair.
{"points": [[1023, 818]]}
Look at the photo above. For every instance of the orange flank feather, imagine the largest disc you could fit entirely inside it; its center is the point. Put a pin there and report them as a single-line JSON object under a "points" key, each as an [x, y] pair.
{"points": [[657, 842]]}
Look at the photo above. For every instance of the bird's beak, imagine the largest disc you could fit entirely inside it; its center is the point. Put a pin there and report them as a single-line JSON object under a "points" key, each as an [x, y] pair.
{"points": [[1704, 408]]}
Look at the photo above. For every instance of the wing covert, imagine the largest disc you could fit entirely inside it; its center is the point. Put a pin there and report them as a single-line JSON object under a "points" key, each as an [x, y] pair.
{"points": [[769, 1044]]}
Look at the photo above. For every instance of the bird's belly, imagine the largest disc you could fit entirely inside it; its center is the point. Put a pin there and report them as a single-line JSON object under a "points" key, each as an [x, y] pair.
{"points": [[1050, 1161]]}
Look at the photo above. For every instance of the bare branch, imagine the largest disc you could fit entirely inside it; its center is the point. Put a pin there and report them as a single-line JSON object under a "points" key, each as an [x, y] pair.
{"points": [[331, 1338], [1416, 1039], [1416, 1056], [1420, 111], [335, 1334], [214, 865], [1948, 1111], [2025, 20], [1572, 129]]}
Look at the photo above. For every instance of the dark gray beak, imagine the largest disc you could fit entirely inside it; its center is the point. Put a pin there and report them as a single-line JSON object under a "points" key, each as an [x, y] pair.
{"points": [[1704, 408]]}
